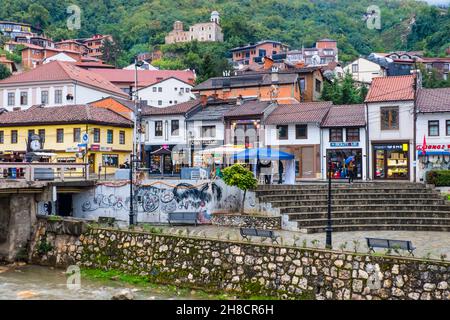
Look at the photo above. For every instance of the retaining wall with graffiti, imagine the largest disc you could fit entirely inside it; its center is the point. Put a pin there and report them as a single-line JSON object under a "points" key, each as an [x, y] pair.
{"points": [[156, 199]]}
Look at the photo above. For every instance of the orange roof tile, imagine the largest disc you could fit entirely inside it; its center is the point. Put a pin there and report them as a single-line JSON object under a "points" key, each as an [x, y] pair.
{"points": [[63, 71], [398, 88]]}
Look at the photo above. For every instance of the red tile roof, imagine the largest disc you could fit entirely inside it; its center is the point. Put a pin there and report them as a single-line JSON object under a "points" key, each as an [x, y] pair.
{"points": [[433, 100], [145, 77], [398, 88], [38, 115], [63, 71], [180, 108], [306, 112], [352, 115]]}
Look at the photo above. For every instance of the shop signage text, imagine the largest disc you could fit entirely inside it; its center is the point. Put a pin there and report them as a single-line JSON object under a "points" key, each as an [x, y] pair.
{"points": [[344, 144], [434, 147]]}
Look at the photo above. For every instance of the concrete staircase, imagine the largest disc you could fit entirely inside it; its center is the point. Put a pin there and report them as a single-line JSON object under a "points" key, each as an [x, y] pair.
{"points": [[360, 206]]}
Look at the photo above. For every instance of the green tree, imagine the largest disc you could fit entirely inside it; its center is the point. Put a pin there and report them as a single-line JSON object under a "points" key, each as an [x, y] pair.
{"points": [[111, 51], [4, 72], [344, 90], [239, 176]]}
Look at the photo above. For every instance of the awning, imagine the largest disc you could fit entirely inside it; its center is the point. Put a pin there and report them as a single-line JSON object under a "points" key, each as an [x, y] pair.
{"points": [[433, 153], [161, 151], [263, 154]]}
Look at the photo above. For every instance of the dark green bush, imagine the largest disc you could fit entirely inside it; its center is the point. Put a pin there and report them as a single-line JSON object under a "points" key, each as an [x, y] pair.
{"points": [[440, 178]]}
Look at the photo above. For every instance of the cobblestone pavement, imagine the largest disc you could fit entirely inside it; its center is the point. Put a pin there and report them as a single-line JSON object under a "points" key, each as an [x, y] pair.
{"points": [[428, 244]]}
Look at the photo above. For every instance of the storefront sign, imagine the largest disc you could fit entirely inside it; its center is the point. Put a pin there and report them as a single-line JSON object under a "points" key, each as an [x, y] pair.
{"points": [[434, 147], [95, 147], [73, 149], [391, 147], [105, 149], [344, 144]]}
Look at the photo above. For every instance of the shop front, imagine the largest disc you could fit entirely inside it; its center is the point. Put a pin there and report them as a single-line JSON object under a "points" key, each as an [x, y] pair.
{"points": [[340, 155], [434, 156], [201, 157], [307, 160], [391, 161], [166, 159]]}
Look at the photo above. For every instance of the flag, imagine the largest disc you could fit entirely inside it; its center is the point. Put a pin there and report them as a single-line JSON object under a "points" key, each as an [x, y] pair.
{"points": [[424, 145]]}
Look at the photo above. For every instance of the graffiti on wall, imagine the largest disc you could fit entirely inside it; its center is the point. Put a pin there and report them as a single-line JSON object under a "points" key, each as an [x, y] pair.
{"points": [[183, 197]]}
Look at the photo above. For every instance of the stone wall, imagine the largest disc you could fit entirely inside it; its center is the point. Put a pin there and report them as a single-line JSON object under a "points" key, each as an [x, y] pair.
{"points": [[244, 268], [246, 221]]}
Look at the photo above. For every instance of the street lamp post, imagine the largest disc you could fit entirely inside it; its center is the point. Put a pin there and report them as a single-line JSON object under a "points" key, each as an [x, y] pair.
{"points": [[329, 229]]}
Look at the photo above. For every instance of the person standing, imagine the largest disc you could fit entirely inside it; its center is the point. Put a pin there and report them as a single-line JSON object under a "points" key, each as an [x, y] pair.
{"points": [[351, 171], [280, 172]]}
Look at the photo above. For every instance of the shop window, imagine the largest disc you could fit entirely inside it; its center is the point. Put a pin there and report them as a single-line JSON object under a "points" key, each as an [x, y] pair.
{"points": [[447, 126], [391, 162], [111, 160], [301, 131], [433, 128], [282, 132], [59, 135], [76, 135], [158, 128], [389, 118], [208, 131], [96, 135], [352, 135], [14, 136], [110, 136], [339, 165], [336, 135], [175, 127], [122, 137]]}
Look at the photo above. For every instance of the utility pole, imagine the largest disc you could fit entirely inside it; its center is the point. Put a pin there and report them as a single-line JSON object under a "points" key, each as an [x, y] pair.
{"points": [[131, 191], [329, 228], [416, 73]]}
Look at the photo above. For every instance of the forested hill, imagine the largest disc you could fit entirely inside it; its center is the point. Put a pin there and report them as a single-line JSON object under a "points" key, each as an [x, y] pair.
{"points": [[141, 24]]}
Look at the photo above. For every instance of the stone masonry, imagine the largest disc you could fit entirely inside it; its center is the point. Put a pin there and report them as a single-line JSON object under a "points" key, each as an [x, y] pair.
{"points": [[247, 221], [243, 268]]}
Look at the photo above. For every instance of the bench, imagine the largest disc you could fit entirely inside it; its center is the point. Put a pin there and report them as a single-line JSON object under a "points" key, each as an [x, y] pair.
{"points": [[182, 218], [390, 244], [253, 232], [110, 221]]}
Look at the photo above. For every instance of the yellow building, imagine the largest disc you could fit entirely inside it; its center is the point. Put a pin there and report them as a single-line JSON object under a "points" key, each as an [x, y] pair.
{"points": [[76, 133]]}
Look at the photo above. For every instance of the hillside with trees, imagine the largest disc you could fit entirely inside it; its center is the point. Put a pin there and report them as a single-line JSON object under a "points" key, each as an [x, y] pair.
{"points": [[140, 25]]}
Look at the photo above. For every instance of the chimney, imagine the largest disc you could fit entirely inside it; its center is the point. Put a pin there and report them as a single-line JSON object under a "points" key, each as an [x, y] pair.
{"points": [[275, 76]]}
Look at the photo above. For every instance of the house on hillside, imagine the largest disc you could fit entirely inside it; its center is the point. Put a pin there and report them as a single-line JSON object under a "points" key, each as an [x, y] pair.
{"points": [[55, 84]]}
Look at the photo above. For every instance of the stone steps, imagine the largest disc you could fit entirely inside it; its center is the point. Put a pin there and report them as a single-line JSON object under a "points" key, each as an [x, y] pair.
{"points": [[352, 202], [360, 206], [379, 227], [364, 214], [356, 196], [373, 220], [387, 207]]}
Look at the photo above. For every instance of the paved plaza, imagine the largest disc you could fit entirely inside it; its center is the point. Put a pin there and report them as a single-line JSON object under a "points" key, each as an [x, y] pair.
{"points": [[428, 244]]}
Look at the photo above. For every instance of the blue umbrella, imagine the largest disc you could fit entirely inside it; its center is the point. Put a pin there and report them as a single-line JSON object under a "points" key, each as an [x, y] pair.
{"points": [[349, 159]]}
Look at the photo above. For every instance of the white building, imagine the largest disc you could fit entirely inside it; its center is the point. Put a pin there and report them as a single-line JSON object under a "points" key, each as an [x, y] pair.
{"points": [[145, 66], [55, 84], [167, 92], [296, 129], [343, 135], [166, 150], [59, 57], [433, 124], [390, 121], [363, 70]]}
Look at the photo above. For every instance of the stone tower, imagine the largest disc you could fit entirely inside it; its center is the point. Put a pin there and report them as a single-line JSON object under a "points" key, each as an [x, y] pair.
{"points": [[215, 17]]}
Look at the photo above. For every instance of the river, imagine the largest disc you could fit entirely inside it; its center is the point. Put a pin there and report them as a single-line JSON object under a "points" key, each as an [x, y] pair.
{"points": [[29, 282]]}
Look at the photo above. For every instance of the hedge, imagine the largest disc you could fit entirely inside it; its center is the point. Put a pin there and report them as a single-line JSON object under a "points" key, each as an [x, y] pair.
{"points": [[440, 178]]}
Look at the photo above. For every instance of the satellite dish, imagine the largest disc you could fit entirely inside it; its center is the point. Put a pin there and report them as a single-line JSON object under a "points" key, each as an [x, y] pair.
{"points": [[315, 60]]}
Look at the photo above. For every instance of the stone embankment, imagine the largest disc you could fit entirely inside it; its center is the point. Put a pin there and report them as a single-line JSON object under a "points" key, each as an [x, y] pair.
{"points": [[242, 268]]}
